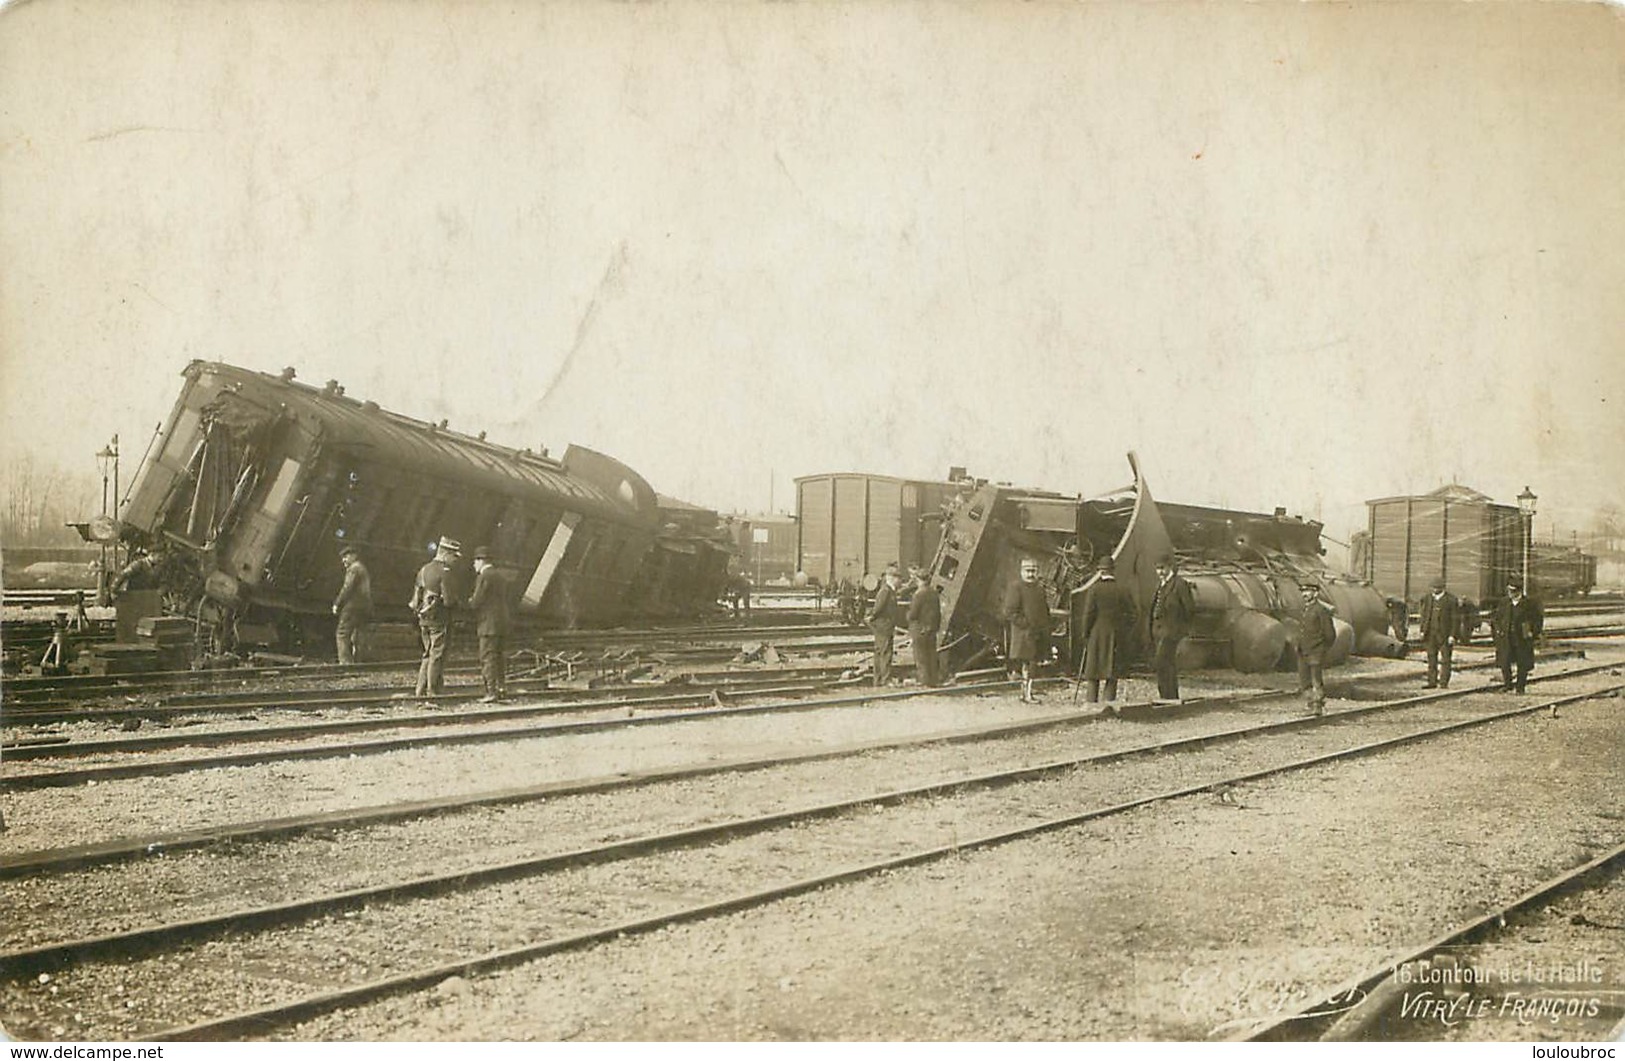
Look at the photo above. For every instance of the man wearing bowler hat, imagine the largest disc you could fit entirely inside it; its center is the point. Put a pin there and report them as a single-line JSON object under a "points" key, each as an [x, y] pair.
{"points": [[1439, 622], [1316, 634], [353, 606], [1516, 623], [490, 604], [433, 594]]}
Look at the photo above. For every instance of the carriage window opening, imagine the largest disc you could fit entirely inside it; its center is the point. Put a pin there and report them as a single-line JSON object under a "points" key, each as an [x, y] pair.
{"points": [[276, 498]]}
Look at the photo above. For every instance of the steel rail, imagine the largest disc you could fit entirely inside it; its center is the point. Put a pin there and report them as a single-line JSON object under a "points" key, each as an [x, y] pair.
{"points": [[1313, 1020], [24, 961], [164, 767], [654, 640], [262, 1019], [305, 700]]}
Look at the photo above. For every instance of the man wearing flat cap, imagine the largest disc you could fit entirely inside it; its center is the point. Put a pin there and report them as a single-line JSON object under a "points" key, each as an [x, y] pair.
{"points": [[490, 605], [353, 606], [433, 594], [1439, 623]]}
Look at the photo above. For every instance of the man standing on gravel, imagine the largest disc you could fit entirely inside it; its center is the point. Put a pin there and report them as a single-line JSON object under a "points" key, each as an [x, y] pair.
{"points": [[1026, 611], [490, 604], [1172, 607], [1108, 622], [924, 620], [1439, 633], [353, 606], [1315, 637], [433, 594], [882, 620], [1517, 622]]}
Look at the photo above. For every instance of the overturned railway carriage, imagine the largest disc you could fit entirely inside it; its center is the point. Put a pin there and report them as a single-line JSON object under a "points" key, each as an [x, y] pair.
{"points": [[259, 480], [1245, 569]]}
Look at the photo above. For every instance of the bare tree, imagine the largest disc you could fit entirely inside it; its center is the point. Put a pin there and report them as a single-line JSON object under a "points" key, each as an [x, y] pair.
{"points": [[38, 498]]}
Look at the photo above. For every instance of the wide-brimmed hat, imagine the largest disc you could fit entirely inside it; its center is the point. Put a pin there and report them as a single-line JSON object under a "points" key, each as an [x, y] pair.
{"points": [[451, 545], [349, 550]]}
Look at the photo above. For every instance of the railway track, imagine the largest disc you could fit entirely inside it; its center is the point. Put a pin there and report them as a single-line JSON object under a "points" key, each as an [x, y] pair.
{"points": [[300, 930], [701, 700], [618, 715], [587, 650], [1354, 1009], [357, 697]]}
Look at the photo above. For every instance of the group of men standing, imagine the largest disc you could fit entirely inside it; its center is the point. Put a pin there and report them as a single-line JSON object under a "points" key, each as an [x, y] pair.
{"points": [[1109, 617], [1515, 624], [922, 617], [436, 591]]}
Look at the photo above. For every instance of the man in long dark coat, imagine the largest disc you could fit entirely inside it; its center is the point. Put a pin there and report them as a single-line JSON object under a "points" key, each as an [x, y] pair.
{"points": [[1439, 622], [924, 622], [1316, 634], [1026, 613], [1108, 624], [489, 602], [1173, 605], [882, 619], [1516, 623]]}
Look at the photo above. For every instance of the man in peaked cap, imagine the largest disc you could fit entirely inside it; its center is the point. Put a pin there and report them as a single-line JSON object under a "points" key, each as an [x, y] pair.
{"points": [[353, 606], [433, 594], [1025, 611], [491, 608]]}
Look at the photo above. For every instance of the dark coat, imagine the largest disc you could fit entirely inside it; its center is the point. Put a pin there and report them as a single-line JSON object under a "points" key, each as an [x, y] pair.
{"points": [[1438, 618], [925, 611], [1026, 610], [355, 596], [490, 603], [1316, 633], [883, 617], [1108, 624], [1517, 624], [433, 592], [1172, 608]]}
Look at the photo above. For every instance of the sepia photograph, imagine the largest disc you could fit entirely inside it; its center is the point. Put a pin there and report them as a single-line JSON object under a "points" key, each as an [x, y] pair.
{"points": [[783, 521]]}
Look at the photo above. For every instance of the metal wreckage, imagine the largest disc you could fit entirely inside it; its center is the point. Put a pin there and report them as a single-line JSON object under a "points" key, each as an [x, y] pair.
{"points": [[1245, 569], [258, 480]]}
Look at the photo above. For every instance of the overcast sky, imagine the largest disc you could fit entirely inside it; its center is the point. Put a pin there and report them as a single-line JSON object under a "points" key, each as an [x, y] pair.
{"points": [[1299, 254]]}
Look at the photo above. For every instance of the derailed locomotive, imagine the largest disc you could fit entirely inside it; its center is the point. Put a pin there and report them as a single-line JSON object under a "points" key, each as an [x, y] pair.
{"points": [[258, 480], [1245, 569]]}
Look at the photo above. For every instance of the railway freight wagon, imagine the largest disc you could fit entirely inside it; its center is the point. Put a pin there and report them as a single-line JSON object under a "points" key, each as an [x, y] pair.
{"points": [[1453, 533], [258, 480], [853, 525], [1560, 570]]}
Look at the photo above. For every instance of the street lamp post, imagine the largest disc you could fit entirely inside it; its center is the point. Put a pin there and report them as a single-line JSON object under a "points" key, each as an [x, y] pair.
{"points": [[1526, 505], [104, 581]]}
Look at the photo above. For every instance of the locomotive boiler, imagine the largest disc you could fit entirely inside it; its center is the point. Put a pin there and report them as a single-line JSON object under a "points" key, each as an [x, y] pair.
{"points": [[1245, 569]]}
